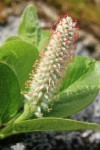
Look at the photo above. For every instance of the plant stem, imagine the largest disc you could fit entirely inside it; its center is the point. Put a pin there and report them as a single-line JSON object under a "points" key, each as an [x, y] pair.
{"points": [[9, 130], [23, 116]]}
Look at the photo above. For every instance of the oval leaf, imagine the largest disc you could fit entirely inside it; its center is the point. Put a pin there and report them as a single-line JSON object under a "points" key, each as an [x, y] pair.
{"points": [[11, 38], [20, 56], [56, 124], [9, 93], [79, 94], [29, 29], [76, 70]]}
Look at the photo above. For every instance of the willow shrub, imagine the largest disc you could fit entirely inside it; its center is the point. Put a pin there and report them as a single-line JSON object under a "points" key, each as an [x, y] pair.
{"points": [[58, 85]]}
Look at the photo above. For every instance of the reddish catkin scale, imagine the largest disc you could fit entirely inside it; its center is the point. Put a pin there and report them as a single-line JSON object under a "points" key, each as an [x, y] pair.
{"points": [[52, 65]]}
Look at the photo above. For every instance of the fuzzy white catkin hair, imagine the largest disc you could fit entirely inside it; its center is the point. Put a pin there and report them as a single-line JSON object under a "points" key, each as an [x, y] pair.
{"points": [[53, 62]]}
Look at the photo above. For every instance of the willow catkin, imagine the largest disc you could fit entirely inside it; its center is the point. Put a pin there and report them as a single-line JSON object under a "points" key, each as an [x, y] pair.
{"points": [[51, 67]]}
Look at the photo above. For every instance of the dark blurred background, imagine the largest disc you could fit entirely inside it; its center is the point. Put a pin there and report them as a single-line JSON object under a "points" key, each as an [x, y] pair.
{"points": [[87, 14]]}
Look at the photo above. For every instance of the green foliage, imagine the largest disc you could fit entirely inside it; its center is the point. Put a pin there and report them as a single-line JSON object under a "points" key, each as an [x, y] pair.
{"points": [[49, 124], [77, 90], [44, 39], [79, 68], [11, 38], [9, 93], [29, 29], [20, 56]]}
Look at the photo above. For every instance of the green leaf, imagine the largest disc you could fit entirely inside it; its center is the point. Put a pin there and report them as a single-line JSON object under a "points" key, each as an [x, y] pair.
{"points": [[70, 102], [57, 124], [76, 70], [20, 56], [81, 91], [12, 38], [10, 100], [29, 29], [45, 34]]}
